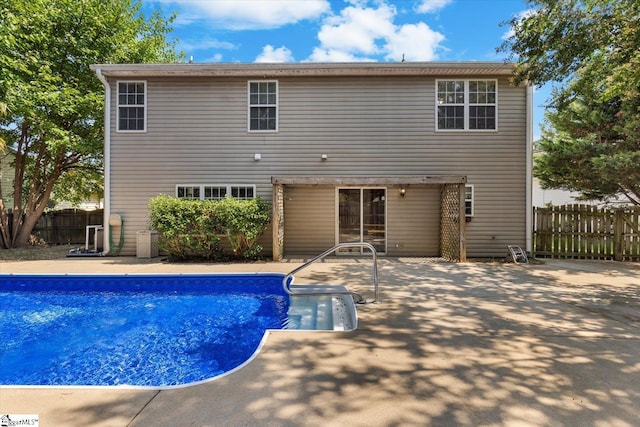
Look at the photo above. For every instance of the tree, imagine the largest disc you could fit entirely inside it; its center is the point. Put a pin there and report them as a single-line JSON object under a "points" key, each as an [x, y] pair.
{"points": [[54, 120], [590, 51]]}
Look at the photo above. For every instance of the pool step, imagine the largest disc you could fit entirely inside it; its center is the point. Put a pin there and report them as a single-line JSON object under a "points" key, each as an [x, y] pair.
{"points": [[311, 313], [322, 313], [322, 308]]}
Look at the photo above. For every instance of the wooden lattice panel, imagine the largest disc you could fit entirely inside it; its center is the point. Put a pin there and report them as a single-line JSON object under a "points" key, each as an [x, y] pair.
{"points": [[450, 222]]}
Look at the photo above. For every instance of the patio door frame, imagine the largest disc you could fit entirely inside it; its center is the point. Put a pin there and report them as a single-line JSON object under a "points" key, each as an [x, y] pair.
{"points": [[362, 225]]}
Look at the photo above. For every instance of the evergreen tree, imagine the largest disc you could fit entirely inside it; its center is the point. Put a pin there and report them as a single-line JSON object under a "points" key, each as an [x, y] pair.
{"points": [[590, 51]]}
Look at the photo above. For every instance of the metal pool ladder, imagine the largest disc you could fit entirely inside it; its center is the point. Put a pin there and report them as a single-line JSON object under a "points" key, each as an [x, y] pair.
{"points": [[287, 281]]}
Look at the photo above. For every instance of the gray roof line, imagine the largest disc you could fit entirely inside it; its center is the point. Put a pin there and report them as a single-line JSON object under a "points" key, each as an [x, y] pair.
{"points": [[266, 70]]}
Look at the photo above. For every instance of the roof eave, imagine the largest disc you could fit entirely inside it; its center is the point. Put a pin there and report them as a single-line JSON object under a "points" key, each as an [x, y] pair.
{"points": [[275, 70]]}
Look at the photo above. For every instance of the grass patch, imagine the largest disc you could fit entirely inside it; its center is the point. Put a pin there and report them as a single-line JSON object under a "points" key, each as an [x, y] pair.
{"points": [[31, 253]]}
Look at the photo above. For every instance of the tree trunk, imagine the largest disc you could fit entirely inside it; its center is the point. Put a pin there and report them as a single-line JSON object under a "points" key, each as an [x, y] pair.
{"points": [[5, 239], [4, 219], [36, 203], [21, 239], [22, 231]]}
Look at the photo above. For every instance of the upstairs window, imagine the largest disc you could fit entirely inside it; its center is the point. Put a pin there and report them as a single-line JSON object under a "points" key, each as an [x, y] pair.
{"points": [[466, 104], [263, 106], [482, 104], [132, 103], [451, 102]]}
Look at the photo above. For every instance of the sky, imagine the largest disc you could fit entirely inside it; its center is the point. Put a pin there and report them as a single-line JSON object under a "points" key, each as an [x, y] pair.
{"points": [[343, 31]]}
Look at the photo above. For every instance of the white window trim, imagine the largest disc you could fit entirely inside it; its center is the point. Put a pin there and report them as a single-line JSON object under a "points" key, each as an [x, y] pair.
{"points": [[188, 185], [228, 189], [203, 191], [466, 106], [245, 186], [276, 105], [146, 89], [473, 201]]}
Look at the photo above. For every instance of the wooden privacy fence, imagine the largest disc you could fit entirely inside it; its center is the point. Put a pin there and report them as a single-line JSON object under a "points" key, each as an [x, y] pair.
{"points": [[66, 226], [587, 232]]}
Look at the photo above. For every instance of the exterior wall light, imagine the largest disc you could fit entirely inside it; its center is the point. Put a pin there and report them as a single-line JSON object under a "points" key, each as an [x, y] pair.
{"points": [[403, 191], [257, 157], [324, 157]]}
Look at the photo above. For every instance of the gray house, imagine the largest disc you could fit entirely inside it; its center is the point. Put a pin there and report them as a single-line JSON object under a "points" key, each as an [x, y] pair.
{"points": [[7, 173], [419, 159]]}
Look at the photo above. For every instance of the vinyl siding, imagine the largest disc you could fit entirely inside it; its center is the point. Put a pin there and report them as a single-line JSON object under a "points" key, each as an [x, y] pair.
{"points": [[310, 218], [367, 126], [413, 221], [7, 174]]}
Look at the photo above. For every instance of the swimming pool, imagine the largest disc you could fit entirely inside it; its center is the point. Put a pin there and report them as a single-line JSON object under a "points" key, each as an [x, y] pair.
{"points": [[147, 330]]}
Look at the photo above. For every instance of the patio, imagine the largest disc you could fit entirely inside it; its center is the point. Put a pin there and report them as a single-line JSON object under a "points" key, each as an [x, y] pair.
{"points": [[470, 344]]}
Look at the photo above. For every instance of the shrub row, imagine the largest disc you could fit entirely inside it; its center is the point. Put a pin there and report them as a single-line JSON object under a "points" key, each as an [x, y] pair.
{"points": [[191, 229]]}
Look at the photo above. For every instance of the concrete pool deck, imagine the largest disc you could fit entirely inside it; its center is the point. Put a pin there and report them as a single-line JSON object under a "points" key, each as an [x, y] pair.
{"points": [[471, 344]]}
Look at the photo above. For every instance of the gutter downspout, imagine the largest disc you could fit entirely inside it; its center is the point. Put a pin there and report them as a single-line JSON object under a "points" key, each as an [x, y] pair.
{"points": [[529, 171], [107, 160]]}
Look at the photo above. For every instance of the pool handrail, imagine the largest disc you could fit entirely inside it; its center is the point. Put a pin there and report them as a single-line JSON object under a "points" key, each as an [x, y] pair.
{"points": [[286, 283]]}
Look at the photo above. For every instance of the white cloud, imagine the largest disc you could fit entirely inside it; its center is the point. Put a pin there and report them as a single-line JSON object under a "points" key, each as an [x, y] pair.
{"points": [[335, 55], [416, 42], [357, 28], [431, 6], [201, 48], [205, 43], [362, 33], [255, 14], [215, 58], [269, 54], [184, 19]]}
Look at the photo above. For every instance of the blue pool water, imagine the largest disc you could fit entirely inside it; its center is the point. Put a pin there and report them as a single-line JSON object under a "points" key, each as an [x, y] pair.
{"points": [[143, 330]]}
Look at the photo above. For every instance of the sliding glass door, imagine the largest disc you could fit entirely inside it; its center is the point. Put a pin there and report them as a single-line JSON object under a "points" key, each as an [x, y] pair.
{"points": [[362, 217]]}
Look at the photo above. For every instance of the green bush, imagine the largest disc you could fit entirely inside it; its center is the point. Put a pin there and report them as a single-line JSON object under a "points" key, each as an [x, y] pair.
{"points": [[191, 229], [187, 229], [243, 221]]}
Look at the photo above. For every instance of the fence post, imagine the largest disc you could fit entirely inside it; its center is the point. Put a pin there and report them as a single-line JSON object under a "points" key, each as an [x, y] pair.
{"points": [[618, 235]]}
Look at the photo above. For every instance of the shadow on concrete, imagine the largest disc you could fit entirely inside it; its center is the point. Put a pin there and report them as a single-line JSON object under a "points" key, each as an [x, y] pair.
{"points": [[450, 345]]}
